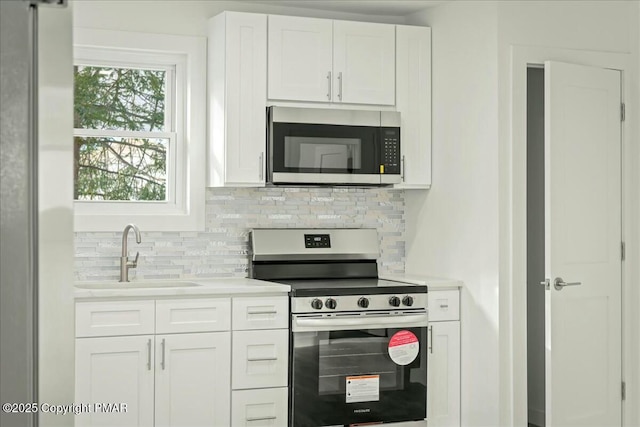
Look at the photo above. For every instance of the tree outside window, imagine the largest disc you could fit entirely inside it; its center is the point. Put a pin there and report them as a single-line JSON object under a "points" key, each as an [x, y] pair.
{"points": [[123, 129]]}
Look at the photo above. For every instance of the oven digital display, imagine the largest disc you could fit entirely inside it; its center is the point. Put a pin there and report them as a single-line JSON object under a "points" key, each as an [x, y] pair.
{"points": [[317, 241]]}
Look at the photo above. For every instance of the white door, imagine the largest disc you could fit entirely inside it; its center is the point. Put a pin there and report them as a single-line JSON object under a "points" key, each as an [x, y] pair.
{"points": [[582, 246], [300, 58], [364, 59], [114, 370], [193, 383]]}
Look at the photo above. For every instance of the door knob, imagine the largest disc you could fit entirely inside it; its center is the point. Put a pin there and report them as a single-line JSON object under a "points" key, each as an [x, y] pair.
{"points": [[559, 283]]}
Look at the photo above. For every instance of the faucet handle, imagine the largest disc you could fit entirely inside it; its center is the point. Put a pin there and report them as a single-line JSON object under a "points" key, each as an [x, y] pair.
{"points": [[134, 264]]}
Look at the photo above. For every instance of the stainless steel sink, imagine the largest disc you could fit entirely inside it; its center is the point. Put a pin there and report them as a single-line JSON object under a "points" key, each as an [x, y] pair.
{"points": [[137, 285]]}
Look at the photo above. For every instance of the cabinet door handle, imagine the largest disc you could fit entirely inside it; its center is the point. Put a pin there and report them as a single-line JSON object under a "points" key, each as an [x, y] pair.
{"points": [[269, 417], [261, 166], [164, 346], [261, 359], [329, 80], [149, 355], [340, 85], [263, 312], [431, 339]]}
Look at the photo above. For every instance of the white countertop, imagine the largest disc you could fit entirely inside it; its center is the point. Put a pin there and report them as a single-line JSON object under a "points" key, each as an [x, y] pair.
{"points": [[431, 282], [205, 287]]}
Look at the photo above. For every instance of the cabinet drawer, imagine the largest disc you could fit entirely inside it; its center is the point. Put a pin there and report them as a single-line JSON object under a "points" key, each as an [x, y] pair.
{"points": [[267, 406], [444, 305], [193, 315], [260, 358], [260, 313], [101, 319]]}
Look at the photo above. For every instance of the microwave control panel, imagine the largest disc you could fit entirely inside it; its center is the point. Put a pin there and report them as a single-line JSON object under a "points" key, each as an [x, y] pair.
{"points": [[390, 162]]}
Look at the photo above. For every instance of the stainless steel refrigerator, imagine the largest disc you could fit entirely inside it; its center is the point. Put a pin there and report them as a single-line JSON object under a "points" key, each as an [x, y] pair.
{"points": [[19, 210]]}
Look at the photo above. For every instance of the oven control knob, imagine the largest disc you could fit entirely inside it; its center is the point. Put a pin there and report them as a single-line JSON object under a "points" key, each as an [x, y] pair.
{"points": [[408, 300], [363, 302], [331, 303], [394, 301], [316, 303]]}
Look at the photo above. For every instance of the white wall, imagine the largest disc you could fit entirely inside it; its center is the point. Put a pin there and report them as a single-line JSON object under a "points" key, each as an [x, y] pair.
{"points": [[185, 17], [55, 125], [452, 230]]}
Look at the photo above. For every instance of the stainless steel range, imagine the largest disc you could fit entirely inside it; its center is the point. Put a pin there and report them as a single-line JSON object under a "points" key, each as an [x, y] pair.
{"points": [[358, 349]]}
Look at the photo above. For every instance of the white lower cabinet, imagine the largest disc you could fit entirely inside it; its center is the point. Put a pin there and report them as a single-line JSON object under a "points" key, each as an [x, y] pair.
{"points": [[171, 379], [260, 358], [443, 389], [171, 362], [113, 370], [443, 408], [261, 407], [260, 362], [192, 379]]}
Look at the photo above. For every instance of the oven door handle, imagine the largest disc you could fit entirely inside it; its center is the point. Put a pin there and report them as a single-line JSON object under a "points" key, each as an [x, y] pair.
{"points": [[313, 324]]}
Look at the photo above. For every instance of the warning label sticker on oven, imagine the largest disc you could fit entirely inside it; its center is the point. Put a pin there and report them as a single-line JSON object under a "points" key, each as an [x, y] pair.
{"points": [[403, 347], [363, 388]]}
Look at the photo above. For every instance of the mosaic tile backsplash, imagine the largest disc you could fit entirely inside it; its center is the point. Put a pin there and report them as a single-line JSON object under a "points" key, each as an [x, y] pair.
{"points": [[221, 249]]}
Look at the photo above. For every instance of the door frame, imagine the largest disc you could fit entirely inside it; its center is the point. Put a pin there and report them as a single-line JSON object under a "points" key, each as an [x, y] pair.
{"points": [[513, 228]]}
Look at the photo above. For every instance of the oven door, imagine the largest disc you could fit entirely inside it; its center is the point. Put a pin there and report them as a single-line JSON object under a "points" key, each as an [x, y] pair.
{"points": [[359, 368]]}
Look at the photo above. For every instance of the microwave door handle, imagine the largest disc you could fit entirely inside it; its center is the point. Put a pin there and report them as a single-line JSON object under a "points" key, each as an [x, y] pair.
{"points": [[377, 148]]}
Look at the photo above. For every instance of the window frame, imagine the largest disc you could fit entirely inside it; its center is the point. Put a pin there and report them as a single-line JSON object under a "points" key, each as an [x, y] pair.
{"points": [[185, 58]]}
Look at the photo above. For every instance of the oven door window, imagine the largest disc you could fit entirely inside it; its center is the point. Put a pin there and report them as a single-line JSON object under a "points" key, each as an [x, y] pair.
{"points": [[325, 364], [311, 148]]}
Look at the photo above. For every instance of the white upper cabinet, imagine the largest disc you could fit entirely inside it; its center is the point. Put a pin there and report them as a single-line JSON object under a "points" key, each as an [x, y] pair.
{"points": [[237, 75], [364, 62], [321, 60], [413, 101], [300, 58]]}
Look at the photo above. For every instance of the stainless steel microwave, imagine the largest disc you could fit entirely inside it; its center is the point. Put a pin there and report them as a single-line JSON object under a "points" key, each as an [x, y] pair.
{"points": [[313, 146]]}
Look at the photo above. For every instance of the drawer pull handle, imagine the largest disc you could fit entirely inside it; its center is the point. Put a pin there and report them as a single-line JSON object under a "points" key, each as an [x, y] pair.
{"points": [[444, 305], [270, 417], [263, 312], [261, 359], [149, 355], [164, 346]]}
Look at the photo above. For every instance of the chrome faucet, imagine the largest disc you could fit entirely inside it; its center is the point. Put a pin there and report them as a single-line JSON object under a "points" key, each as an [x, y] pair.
{"points": [[125, 264]]}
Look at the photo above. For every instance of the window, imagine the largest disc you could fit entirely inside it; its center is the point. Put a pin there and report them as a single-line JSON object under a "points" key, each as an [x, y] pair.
{"points": [[123, 131], [139, 131]]}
